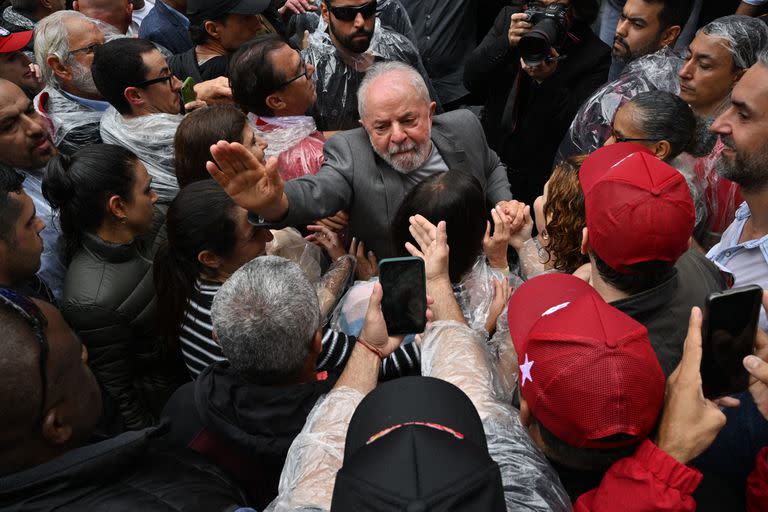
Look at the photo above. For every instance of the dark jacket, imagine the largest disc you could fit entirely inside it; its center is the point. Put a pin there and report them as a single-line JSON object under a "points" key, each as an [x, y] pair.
{"points": [[538, 115], [665, 309], [245, 429], [167, 27], [109, 299], [185, 64], [125, 473]]}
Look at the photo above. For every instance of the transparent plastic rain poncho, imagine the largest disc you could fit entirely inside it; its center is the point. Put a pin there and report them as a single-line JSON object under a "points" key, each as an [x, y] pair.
{"points": [[338, 72], [294, 141], [289, 244], [150, 138], [391, 13], [743, 36], [73, 125], [592, 125], [457, 354], [474, 294]]}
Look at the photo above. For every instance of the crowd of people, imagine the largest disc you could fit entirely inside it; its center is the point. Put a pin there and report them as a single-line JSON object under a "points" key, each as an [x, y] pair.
{"points": [[195, 196]]}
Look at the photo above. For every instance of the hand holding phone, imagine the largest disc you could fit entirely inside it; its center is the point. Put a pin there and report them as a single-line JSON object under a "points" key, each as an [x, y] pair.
{"points": [[730, 326], [188, 93], [405, 295]]}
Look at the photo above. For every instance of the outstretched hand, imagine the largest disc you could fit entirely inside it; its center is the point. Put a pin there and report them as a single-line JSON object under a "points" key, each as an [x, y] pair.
{"points": [[689, 422], [433, 247], [251, 184]]}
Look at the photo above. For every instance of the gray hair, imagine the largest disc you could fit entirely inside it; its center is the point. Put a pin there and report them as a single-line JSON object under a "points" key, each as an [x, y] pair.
{"points": [[265, 316], [52, 38], [762, 57], [661, 115], [383, 68], [746, 37]]}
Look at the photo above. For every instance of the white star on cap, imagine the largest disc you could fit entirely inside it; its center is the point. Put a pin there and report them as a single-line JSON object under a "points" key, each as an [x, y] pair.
{"points": [[525, 370]]}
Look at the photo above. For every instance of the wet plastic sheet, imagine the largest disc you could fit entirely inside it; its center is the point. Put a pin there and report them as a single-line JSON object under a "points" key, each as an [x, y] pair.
{"points": [[73, 125], [294, 141], [150, 138]]}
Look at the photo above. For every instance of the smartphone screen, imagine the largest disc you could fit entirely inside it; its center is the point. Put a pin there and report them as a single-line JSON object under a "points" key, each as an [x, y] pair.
{"points": [[405, 295], [730, 324]]}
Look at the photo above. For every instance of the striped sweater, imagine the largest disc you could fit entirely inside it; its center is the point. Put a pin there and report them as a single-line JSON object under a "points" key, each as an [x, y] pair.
{"points": [[200, 350]]}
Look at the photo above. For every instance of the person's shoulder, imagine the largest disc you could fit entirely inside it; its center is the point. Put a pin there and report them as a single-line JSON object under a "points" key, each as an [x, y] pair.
{"points": [[462, 119]]}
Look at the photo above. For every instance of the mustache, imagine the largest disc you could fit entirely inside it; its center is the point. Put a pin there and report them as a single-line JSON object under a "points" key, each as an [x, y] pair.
{"points": [[621, 41], [402, 148], [728, 142]]}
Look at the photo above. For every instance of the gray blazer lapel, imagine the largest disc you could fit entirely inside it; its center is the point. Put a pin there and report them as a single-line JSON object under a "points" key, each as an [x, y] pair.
{"points": [[449, 148]]}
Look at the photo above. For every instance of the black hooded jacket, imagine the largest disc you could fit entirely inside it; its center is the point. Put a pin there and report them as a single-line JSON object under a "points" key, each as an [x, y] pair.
{"points": [[245, 429], [132, 471]]}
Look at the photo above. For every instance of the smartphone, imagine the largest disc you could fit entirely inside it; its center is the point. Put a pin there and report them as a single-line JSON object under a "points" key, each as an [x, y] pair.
{"points": [[405, 294], [188, 91], [730, 325]]}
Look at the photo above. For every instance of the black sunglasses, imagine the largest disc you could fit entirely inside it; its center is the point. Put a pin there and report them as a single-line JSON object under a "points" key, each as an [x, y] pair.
{"points": [[147, 83], [304, 73], [31, 314], [619, 138], [350, 13]]}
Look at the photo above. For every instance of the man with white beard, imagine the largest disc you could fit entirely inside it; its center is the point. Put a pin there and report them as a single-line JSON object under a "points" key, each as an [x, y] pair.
{"points": [[369, 170], [64, 46]]}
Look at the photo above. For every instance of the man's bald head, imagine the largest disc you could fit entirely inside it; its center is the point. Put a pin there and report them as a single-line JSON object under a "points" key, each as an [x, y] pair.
{"points": [[384, 77], [117, 13]]}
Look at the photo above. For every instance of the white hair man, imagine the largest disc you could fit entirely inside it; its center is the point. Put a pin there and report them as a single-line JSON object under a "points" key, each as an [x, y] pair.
{"points": [[369, 170], [64, 46]]}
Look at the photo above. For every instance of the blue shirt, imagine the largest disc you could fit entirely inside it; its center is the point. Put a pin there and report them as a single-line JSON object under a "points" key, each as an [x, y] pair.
{"points": [[747, 261], [168, 27], [52, 268]]}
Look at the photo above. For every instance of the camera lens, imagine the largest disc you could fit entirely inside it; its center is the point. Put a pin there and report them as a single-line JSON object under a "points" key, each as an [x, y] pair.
{"points": [[534, 47]]}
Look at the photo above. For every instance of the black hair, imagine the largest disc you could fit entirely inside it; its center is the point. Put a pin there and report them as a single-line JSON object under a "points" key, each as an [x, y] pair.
{"points": [[10, 208], [200, 218], [253, 76], [457, 198], [197, 132], [585, 11], [197, 32], [637, 278], [674, 12], [79, 186], [665, 116], [118, 64], [585, 459]]}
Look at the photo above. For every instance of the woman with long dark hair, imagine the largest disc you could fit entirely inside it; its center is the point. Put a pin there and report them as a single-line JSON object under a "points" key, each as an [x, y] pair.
{"points": [[103, 198]]}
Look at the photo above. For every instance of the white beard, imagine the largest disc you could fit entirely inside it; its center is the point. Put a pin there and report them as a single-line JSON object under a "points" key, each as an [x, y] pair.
{"points": [[413, 157]]}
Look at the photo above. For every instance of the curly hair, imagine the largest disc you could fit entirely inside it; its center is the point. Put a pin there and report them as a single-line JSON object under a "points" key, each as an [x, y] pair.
{"points": [[565, 209]]}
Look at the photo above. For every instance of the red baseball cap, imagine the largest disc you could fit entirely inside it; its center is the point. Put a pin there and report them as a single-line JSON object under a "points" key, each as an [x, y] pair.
{"points": [[637, 207], [13, 41], [587, 371]]}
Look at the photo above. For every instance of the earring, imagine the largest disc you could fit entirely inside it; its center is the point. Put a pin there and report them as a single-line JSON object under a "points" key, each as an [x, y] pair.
{"points": [[544, 235]]}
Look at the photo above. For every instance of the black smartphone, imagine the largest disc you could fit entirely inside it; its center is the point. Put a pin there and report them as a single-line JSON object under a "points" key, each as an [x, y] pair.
{"points": [[405, 294], [730, 325]]}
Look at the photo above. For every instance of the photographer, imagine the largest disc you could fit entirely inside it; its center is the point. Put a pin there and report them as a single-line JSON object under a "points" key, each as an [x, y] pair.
{"points": [[529, 106]]}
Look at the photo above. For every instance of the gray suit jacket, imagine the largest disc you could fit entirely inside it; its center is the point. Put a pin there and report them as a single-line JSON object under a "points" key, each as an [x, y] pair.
{"points": [[355, 179]]}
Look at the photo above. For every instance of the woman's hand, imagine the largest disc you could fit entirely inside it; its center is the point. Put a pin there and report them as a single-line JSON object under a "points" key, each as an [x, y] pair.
{"points": [[367, 266], [523, 233], [327, 239], [495, 247], [501, 293]]}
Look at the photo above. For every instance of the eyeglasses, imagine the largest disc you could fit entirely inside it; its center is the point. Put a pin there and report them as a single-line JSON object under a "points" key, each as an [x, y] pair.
{"points": [[88, 50], [147, 83], [31, 314], [304, 73], [350, 13], [619, 138]]}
